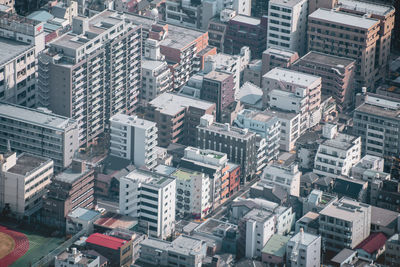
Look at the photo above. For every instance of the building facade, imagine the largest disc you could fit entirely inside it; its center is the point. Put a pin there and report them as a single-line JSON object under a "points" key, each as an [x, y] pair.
{"points": [[277, 57], [303, 249]]}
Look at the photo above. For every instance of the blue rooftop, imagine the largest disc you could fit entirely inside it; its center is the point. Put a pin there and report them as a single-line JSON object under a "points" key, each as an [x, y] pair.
{"points": [[41, 15], [84, 214]]}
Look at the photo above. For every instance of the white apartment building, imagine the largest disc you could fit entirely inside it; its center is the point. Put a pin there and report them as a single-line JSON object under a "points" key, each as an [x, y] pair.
{"points": [[75, 258], [255, 229], [296, 92], [344, 224], [285, 173], [150, 197], [23, 182], [193, 193], [264, 125], [133, 139], [337, 154], [303, 249], [367, 163], [287, 25]]}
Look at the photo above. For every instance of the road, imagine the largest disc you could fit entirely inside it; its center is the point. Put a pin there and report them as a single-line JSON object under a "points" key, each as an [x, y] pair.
{"points": [[107, 204]]}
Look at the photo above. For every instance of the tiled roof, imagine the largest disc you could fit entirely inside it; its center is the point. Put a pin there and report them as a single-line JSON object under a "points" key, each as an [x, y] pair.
{"points": [[374, 242], [105, 241]]}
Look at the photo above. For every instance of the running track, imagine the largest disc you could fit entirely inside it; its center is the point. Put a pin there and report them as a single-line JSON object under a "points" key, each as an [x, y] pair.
{"points": [[21, 246]]}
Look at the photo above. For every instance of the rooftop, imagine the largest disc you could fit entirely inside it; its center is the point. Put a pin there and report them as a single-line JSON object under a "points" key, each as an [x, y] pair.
{"points": [[27, 163], [132, 120], [381, 106], [114, 221], [229, 130], [185, 174], [105, 241], [4, 17], [276, 245], [152, 64], [10, 49], [344, 209], [330, 60], [246, 20], [184, 244], [258, 215], [343, 18], [282, 114], [368, 7], [211, 226], [86, 259], [217, 76], [69, 176], [341, 141], [280, 52], [292, 76], [286, 3], [372, 243], [343, 255], [249, 93], [171, 104], [40, 15], [383, 217], [84, 214], [304, 238], [34, 116], [149, 178]]}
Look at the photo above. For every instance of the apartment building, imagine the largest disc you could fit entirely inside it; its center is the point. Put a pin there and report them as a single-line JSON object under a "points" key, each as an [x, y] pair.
{"points": [[347, 35], [283, 172], [193, 193], [151, 198], [133, 139], [287, 25], [303, 249], [23, 182], [294, 91], [377, 121], [392, 256], [83, 72], [69, 190], [255, 229], [266, 126], [39, 133], [337, 75], [246, 31], [344, 224], [317, 200], [238, 144], [278, 57], [217, 28], [184, 250], [177, 117], [337, 154], [216, 166], [219, 88]]}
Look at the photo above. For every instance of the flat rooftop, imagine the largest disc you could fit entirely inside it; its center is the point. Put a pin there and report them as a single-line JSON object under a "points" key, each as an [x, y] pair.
{"points": [[5, 16], [152, 64], [368, 7], [10, 49], [84, 214], [379, 105], [34, 116], [329, 60], [383, 217], [229, 130], [287, 3], [343, 255], [305, 239], [258, 215], [281, 114], [279, 52], [149, 178], [211, 225], [112, 221], [185, 174], [69, 176], [292, 76], [217, 76], [340, 141], [184, 245], [246, 20], [343, 18], [257, 115], [27, 163], [344, 209], [132, 120], [171, 104], [85, 260], [276, 245]]}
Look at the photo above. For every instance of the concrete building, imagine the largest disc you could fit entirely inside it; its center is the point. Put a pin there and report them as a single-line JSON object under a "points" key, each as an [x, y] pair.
{"points": [[38, 132], [252, 72], [177, 117], [217, 29], [81, 219], [266, 126], [295, 92], [317, 200], [315, 4], [69, 190], [184, 250], [75, 258], [337, 75], [151, 198], [193, 193], [285, 173], [133, 139], [255, 229], [392, 256], [278, 57], [344, 224], [351, 36], [219, 88], [274, 251], [287, 25], [303, 249], [23, 183], [337, 154], [238, 144], [82, 73]]}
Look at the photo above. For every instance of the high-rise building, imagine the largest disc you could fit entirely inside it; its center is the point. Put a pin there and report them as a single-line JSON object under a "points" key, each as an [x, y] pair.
{"points": [[151, 198], [303, 249], [133, 139], [92, 72], [287, 25], [38, 132]]}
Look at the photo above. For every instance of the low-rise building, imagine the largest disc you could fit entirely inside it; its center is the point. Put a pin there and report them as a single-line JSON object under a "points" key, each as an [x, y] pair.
{"points": [[75, 258], [304, 249], [317, 200], [81, 219], [392, 256], [274, 252], [278, 57], [372, 247], [309, 223]]}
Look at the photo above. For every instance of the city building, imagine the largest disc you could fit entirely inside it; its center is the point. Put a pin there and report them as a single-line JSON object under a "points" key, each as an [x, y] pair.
{"points": [[384, 221], [337, 154], [304, 249], [266, 126], [392, 256], [287, 25], [184, 250], [238, 144], [81, 219], [246, 31], [344, 224], [309, 223], [347, 35], [252, 72], [219, 88], [39, 133], [234, 178], [337, 75], [250, 96], [274, 251], [133, 139], [255, 229], [193, 193], [23, 182], [283, 172], [177, 117], [372, 247], [151, 198], [75, 258], [69, 190], [217, 28], [82, 75], [317, 200], [277, 57]]}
